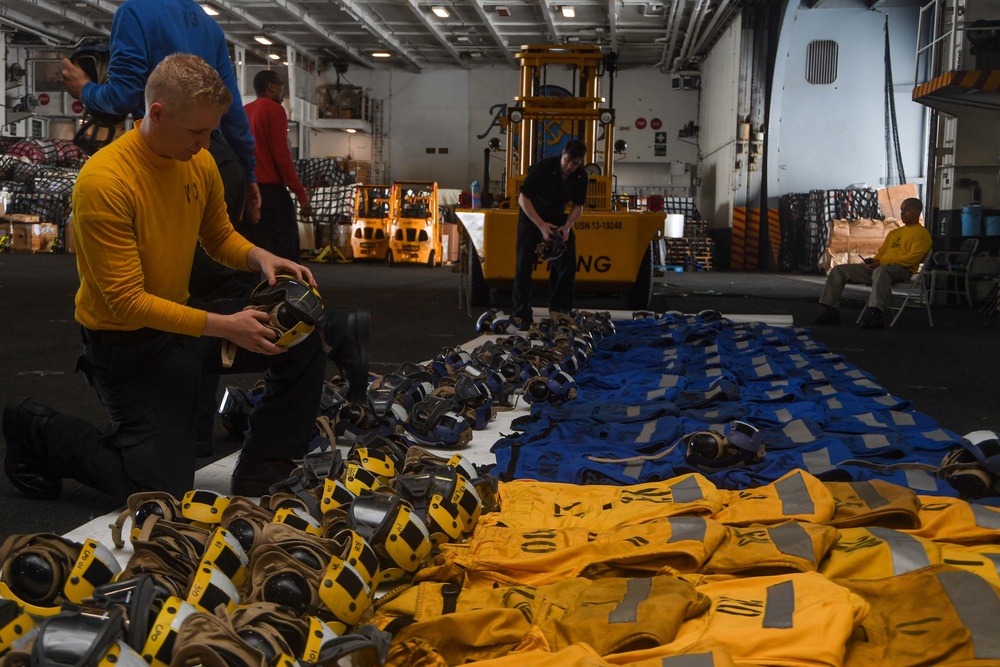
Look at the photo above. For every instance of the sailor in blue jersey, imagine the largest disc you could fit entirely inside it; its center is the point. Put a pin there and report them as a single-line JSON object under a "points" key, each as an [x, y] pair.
{"points": [[143, 33]]}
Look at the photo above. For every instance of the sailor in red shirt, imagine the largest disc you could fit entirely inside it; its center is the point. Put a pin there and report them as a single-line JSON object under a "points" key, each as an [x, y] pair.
{"points": [[277, 230]]}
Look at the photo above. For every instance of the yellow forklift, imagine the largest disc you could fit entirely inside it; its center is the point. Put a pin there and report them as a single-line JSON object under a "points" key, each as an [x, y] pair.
{"points": [[371, 215], [559, 100], [415, 231]]}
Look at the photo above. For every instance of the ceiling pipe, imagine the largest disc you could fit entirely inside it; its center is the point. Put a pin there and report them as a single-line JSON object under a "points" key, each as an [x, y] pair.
{"points": [[58, 10], [613, 23], [706, 37], [693, 21], [670, 38]]}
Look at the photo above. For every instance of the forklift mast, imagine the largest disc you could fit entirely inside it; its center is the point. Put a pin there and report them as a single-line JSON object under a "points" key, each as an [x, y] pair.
{"points": [[541, 122]]}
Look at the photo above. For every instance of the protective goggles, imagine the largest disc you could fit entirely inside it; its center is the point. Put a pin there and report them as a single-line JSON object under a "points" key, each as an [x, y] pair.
{"points": [[336, 494], [554, 390], [38, 576], [141, 506], [380, 463], [210, 588], [16, 627], [355, 551], [225, 553], [203, 507], [357, 479], [382, 404], [743, 445], [296, 302], [398, 536], [245, 521], [446, 497], [95, 566], [346, 594], [83, 637], [298, 518], [158, 648], [551, 248], [294, 310], [139, 597], [973, 468], [435, 422], [494, 321], [451, 515]]}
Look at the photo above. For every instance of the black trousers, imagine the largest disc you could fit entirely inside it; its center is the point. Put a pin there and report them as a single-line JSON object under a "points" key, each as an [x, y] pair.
{"points": [[210, 280], [277, 231], [562, 272], [149, 384]]}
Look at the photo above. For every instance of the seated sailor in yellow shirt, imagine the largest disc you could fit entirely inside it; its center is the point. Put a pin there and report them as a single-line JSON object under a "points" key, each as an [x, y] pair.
{"points": [[896, 261]]}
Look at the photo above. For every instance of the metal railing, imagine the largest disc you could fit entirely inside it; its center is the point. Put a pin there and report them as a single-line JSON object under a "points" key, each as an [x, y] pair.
{"points": [[940, 25]]}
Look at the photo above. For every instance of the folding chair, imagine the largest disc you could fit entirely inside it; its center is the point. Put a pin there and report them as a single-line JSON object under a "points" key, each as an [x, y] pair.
{"points": [[954, 266], [922, 298]]}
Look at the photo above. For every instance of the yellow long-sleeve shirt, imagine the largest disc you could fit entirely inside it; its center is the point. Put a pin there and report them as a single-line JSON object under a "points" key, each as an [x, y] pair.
{"points": [[905, 246], [137, 217]]}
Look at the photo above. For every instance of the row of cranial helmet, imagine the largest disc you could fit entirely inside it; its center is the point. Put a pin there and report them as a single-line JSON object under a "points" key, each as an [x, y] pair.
{"points": [[440, 403], [305, 562]]}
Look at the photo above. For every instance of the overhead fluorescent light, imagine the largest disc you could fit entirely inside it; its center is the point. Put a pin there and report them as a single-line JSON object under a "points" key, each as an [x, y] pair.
{"points": [[440, 12], [568, 12], [274, 56], [210, 10], [381, 54], [502, 11], [260, 39]]}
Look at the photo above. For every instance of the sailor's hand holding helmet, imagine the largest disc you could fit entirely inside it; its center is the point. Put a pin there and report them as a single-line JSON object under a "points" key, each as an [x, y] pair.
{"points": [[287, 308]]}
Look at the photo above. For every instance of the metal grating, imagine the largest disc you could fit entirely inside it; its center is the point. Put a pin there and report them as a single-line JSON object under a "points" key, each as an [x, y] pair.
{"points": [[821, 62]]}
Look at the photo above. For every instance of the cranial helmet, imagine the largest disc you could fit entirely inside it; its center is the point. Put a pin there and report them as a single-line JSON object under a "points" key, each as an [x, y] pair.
{"points": [[711, 450], [551, 248], [99, 128], [295, 308], [974, 468]]}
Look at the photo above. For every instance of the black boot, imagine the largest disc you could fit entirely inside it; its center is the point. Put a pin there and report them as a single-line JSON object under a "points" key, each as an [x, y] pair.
{"points": [[255, 478], [828, 316], [25, 461], [872, 318], [347, 331]]}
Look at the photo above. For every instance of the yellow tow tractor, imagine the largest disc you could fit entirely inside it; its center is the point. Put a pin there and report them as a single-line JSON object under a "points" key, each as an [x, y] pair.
{"points": [[559, 100], [415, 231], [372, 213]]}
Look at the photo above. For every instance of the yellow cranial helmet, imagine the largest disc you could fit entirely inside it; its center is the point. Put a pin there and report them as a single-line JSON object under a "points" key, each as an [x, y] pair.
{"points": [[295, 308]]}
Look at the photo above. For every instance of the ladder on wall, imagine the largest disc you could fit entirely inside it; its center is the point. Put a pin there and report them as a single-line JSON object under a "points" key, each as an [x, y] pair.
{"points": [[378, 143]]}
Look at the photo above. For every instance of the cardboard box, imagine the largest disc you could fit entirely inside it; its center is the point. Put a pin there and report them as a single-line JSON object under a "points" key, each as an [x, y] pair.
{"points": [[28, 237], [451, 239], [21, 218], [850, 240], [70, 237], [889, 199]]}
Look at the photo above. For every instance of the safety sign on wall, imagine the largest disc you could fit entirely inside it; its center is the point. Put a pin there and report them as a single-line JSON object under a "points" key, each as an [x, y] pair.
{"points": [[660, 144]]}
